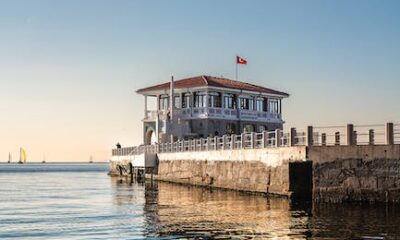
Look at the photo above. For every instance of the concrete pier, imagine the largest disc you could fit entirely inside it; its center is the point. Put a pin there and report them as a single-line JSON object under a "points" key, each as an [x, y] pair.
{"points": [[325, 165]]}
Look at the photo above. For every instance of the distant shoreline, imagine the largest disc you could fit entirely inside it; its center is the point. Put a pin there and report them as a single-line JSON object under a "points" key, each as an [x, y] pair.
{"points": [[6, 163]]}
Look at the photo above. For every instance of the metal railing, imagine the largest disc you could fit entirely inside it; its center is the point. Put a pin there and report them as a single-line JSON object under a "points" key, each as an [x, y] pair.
{"points": [[373, 134]]}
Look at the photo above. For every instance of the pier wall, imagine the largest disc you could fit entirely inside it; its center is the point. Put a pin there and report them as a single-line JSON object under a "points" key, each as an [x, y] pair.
{"points": [[253, 170], [356, 173]]}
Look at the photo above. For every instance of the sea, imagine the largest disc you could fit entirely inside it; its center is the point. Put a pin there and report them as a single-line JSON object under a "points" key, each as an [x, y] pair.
{"points": [[80, 201]]}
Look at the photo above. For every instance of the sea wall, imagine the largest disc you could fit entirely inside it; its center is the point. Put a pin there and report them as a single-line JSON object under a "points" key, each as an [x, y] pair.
{"points": [[254, 170], [356, 173]]}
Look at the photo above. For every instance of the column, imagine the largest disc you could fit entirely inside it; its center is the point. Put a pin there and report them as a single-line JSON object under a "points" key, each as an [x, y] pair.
{"points": [[145, 106], [350, 134], [309, 136], [389, 134]]}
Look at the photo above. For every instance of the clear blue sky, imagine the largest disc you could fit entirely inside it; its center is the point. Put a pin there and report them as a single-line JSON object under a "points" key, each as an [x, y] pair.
{"points": [[69, 69]]}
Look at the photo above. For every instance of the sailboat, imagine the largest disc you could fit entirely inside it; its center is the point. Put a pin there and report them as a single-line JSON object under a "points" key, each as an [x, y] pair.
{"points": [[44, 158], [91, 159], [9, 157], [22, 156]]}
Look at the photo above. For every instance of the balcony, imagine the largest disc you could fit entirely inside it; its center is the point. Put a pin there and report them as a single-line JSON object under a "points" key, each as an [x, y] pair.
{"points": [[227, 114], [215, 113]]}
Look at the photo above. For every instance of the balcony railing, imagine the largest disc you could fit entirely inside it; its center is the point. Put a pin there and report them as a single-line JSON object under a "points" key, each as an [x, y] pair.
{"points": [[219, 113]]}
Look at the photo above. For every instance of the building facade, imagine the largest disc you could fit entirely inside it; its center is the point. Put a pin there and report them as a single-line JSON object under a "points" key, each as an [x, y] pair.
{"points": [[206, 106]]}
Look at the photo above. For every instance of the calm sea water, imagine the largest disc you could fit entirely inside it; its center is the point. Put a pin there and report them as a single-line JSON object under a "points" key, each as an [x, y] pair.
{"points": [[81, 202]]}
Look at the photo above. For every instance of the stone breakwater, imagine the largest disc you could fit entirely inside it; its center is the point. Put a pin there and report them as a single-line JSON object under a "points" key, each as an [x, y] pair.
{"points": [[324, 173], [356, 173], [268, 171]]}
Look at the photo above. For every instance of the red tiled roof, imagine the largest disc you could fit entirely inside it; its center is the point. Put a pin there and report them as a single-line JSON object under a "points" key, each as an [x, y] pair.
{"points": [[203, 80]]}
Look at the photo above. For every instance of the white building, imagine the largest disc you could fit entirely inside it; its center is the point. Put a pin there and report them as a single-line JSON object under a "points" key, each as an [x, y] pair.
{"points": [[205, 106]]}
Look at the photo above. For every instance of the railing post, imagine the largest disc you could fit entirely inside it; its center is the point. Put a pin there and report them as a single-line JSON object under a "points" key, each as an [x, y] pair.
{"points": [[265, 139], [371, 137], [309, 136], [242, 140], [277, 137], [389, 134], [350, 134], [355, 137], [253, 140], [233, 137], [224, 142], [323, 139], [216, 143], [292, 137]]}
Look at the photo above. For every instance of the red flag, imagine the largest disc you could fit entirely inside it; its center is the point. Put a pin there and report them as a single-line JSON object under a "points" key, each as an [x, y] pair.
{"points": [[240, 60]]}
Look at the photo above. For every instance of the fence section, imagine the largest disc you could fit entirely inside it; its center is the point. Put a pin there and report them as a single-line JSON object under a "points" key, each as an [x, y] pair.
{"points": [[350, 134]]}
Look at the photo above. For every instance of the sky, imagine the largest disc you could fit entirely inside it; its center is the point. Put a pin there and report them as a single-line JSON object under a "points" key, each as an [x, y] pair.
{"points": [[69, 69]]}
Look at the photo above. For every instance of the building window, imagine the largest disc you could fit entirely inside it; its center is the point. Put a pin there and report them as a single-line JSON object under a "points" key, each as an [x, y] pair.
{"points": [[273, 105], [262, 128], [200, 99], [230, 128], [260, 104], [230, 101], [186, 100], [214, 99], [164, 102], [248, 128], [177, 102], [246, 103]]}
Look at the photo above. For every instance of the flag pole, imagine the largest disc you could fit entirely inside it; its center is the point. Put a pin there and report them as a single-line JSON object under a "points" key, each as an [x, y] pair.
{"points": [[236, 70]]}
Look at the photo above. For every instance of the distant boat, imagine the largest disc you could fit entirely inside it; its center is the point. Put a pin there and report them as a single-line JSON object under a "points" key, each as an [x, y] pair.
{"points": [[91, 159], [9, 157], [44, 159], [22, 156]]}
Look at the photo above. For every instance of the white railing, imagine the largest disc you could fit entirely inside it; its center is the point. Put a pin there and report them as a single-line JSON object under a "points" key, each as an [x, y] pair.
{"points": [[242, 141], [220, 113], [350, 134]]}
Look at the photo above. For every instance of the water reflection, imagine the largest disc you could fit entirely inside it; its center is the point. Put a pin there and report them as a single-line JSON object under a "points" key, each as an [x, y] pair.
{"points": [[179, 211]]}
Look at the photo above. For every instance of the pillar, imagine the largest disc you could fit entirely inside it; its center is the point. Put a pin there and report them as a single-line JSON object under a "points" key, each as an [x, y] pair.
{"points": [[309, 136], [277, 137], [389, 134], [371, 135], [350, 134], [292, 137], [253, 140], [337, 138], [242, 139], [265, 139]]}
